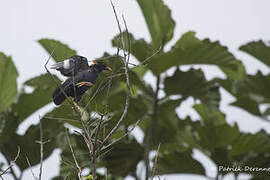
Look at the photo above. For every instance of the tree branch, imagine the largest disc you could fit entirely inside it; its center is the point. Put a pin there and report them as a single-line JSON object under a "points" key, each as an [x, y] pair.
{"points": [[152, 126], [74, 157], [126, 59], [11, 164], [41, 150]]}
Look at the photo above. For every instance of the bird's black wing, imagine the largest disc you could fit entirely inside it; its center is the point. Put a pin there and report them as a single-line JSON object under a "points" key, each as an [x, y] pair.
{"points": [[73, 65], [75, 86]]}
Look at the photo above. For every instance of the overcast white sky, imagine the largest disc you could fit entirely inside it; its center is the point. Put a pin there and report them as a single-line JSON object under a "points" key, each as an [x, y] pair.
{"points": [[88, 27]]}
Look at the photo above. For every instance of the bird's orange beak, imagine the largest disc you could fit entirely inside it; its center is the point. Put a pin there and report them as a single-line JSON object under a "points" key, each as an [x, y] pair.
{"points": [[109, 69]]}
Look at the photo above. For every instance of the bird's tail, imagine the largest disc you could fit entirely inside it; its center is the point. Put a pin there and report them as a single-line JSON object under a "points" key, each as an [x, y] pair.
{"points": [[58, 96]]}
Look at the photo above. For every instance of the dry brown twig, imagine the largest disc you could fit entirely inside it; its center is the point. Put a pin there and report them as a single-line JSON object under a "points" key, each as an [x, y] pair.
{"points": [[126, 59], [12, 163], [30, 167], [41, 142], [74, 157]]}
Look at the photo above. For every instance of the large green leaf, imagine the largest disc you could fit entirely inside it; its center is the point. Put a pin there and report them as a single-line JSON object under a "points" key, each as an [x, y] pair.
{"points": [[29, 103], [193, 83], [247, 143], [9, 123], [175, 162], [257, 87], [191, 50], [159, 21], [250, 92], [123, 158], [62, 51], [136, 111], [167, 122], [207, 135], [259, 50], [225, 144], [8, 83], [208, 115], [28, 145]]}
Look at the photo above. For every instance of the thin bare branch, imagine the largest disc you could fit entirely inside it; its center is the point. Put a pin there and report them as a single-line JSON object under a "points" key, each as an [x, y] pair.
{"points": [[152, 126], [119, 28], [127, 56], [96, 92], [41, 150], [45, 65], [119, 139], [61, 119], [155, 164], [30, 167], [95, 147], [11, 164], [74, 157], [66, 178], [150, 57]]}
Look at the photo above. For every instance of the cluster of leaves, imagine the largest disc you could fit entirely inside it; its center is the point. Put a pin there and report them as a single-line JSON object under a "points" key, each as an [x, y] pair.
{"points": [[224, 144]]}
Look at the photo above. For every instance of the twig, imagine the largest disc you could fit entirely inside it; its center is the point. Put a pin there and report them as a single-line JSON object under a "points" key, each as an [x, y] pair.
{"points": [[70, 164], [127, 56], [151, 129], [119, 27], [61, 119], [87, 138], [41, 149], [11, 164], [30, 166], [66, 178], [119, 139], [74, 157], [96, 92], [150, 57], [106, 174], [95, 147], [155, 164]]}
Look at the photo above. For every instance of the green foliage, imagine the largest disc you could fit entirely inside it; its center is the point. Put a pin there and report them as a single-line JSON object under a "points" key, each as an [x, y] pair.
{"points": [[43, 87], [140, 48], [159, 21], [172, 163], [8, 84], [62, 51], [250, 92], [259, 50], [190, 50], [28, 145], [196, 86], [124, 157]]}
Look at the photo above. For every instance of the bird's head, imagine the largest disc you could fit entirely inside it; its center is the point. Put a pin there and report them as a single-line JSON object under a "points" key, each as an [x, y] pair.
{"points": [[99, 66]]}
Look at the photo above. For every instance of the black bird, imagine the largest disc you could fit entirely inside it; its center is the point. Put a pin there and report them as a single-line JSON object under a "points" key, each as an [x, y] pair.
{"points": [[77, 85], [71, 66]]}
